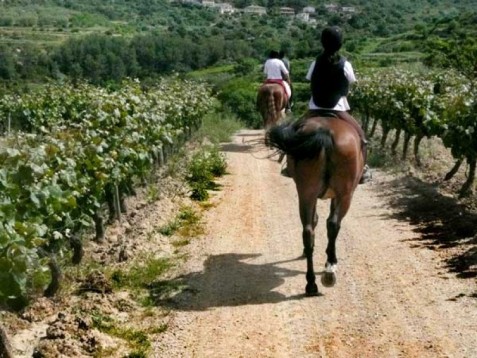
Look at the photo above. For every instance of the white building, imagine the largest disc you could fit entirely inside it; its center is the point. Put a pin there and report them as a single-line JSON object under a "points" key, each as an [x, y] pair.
{"points": [[255, 9], [303, 16], [287, 11], [225, 8]]}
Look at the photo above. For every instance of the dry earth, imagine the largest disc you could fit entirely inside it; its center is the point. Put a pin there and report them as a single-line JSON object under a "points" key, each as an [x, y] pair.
{"points": [[406, 278], [394, 297]]}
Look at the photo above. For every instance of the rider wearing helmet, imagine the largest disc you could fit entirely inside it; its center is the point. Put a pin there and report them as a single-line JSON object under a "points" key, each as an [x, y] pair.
{"points": [[331, 75], [276, 72]]}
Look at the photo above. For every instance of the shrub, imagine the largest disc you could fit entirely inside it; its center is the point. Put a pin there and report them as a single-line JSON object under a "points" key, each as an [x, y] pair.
{"points": [[203, 167], [240, 96]]}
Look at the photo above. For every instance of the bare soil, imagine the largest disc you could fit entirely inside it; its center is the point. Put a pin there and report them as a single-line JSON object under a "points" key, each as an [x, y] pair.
{"points": [[406, 284]]}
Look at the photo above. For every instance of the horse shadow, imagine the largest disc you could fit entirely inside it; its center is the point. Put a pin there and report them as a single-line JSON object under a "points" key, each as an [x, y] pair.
{"points": [[226, 280], [246, 146], [441, 221], [236, 148]]}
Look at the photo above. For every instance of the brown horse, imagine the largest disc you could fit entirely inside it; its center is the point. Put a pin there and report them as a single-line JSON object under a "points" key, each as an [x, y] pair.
{"points": [[271, 102], [325, 160]]}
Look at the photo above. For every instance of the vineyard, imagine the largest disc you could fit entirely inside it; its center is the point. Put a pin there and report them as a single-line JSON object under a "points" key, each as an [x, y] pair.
{"points": [[72, 153], [418, 106], [69, 150]]}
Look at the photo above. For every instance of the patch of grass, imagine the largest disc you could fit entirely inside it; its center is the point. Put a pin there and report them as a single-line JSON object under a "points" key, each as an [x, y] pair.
{"points": [[163, 290], [207, 205], [187, 224], [180, 243], [158, 330], [104, 352], [170, 228], [137, 340], [377, 158], [219, 127], [141, 275], [175, 163], [152, 193], [203, 167]]}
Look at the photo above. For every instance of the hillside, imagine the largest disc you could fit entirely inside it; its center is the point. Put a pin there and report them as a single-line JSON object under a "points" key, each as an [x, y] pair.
{"points": [[52, 38]]}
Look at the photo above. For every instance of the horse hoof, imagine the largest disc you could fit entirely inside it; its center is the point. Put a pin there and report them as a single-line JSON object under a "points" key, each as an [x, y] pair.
{"points": [[328, 279], [311, 290]]}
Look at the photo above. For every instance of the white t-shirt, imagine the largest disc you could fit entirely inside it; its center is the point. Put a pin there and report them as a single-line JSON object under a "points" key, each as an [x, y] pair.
{"points": [[342, 104], [273, 69]]}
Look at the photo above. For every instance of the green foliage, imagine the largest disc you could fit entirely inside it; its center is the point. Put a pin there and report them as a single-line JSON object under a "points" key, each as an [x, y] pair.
{"points": [[219, 126], [186, 222], [138, 340], [239, 96], [142, 274], [439, 104], [203, 167], [52, 183], [245, 66]]}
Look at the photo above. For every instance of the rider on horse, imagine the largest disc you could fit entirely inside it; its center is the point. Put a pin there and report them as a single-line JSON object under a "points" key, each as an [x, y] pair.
{"points": [[276, 72], [331, 75]]}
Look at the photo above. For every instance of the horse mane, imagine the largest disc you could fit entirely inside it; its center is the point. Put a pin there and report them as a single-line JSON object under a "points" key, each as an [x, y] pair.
{"points": [[292, 140]]}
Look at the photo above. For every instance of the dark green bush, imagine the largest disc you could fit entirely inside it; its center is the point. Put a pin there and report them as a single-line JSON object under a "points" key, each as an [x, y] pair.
{"points": [[203, 167], [240, 96]]}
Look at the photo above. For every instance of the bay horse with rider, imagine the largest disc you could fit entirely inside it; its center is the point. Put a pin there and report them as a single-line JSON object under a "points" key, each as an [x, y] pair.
{"points": [[273, 95], [326, 153]]}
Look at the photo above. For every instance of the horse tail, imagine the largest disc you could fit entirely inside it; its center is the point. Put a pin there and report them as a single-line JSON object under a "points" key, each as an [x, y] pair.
{"points": [[299, 144], [302, 145], [271, 112]]}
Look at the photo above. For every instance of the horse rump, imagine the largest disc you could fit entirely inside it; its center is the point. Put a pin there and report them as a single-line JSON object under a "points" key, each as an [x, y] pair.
{"points": [[300, 143]]}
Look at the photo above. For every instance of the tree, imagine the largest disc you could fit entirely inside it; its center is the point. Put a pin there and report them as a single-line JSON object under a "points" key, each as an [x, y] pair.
{"points": [[7, 63]]}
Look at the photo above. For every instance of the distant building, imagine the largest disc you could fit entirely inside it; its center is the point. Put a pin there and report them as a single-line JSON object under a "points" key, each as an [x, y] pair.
{"points": [[348, 9], [347, 12], [303, 16], [255, 10], [209, 3], [309, 10], [287, 11], [331, 7], [225, 8]]}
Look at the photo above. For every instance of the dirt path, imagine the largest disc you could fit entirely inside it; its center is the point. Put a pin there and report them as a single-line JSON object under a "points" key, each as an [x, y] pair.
{"points": [[246, 281]]}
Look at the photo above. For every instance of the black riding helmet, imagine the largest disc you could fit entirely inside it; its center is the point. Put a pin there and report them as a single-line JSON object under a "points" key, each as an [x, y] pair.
{"points": [[273, 54], [332, 39]]}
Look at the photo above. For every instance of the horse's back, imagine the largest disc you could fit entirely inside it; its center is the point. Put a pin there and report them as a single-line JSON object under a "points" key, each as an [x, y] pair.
{"points": [[270, 102], [346, 158]]}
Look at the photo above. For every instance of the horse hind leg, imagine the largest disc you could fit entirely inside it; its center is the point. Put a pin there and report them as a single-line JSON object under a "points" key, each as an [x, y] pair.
{"points": [[309, 219], [338, 210]]}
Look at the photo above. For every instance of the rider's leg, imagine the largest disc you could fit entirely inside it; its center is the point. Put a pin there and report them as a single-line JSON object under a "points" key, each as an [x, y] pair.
{"points": [[364, 143], [290, 100], [289, 168]]}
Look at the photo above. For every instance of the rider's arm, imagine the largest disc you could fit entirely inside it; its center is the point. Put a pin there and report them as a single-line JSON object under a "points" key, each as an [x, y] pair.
{"points": [[284, 71], [310, 71], [349, 73]]}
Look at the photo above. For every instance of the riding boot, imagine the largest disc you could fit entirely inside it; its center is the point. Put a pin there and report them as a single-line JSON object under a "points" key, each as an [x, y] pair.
{"points": [[286, 171], [288, 106], [366, 176]]}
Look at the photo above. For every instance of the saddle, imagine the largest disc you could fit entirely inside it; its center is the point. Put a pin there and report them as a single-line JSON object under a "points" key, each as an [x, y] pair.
{"points": [[322, 113], [279, 82]]}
